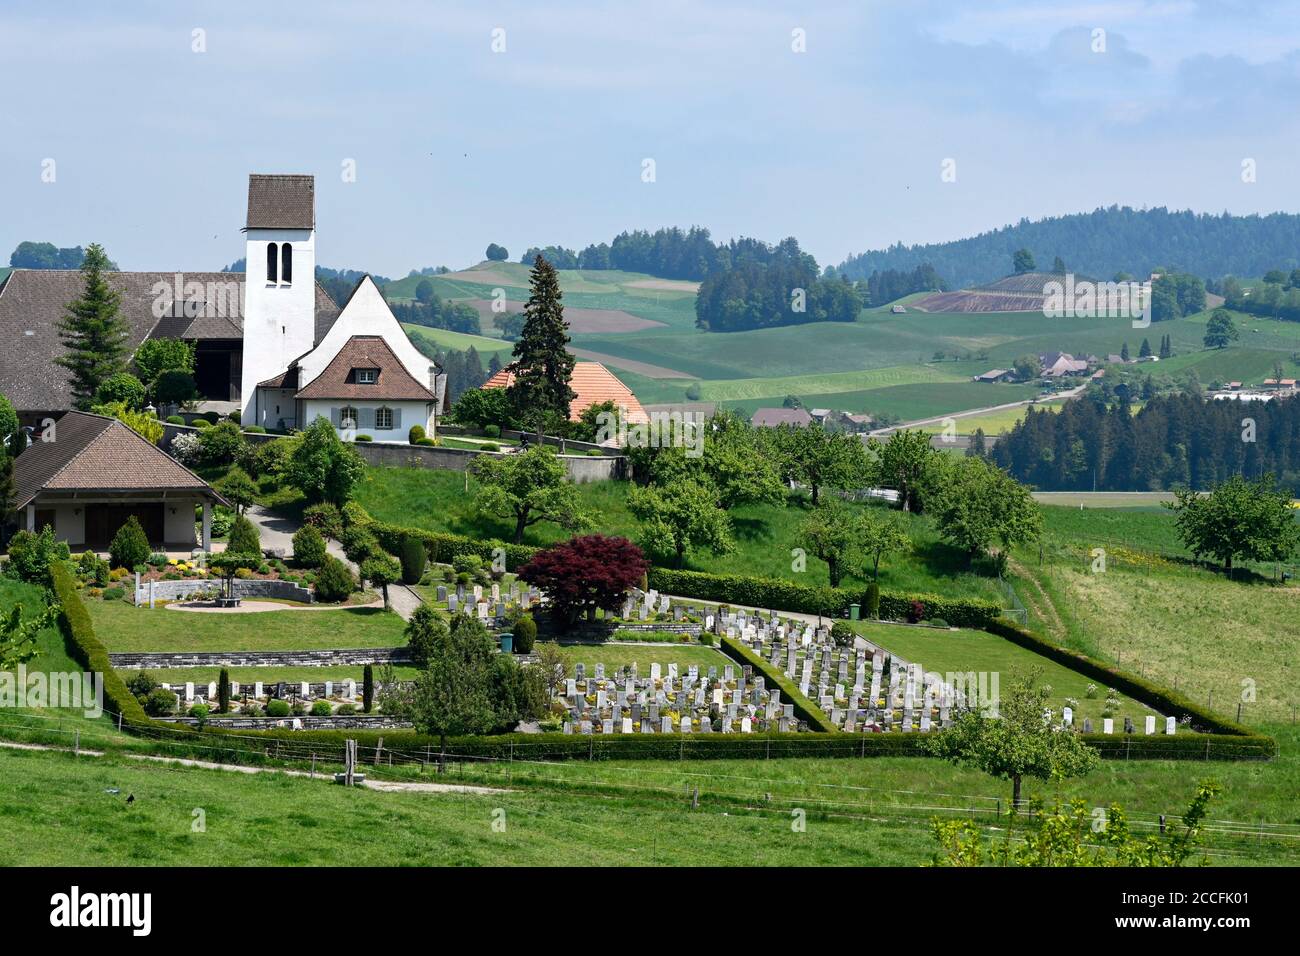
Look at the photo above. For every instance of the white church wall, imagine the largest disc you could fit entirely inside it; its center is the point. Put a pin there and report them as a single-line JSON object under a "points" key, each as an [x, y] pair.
{"points": [[279, 317]]}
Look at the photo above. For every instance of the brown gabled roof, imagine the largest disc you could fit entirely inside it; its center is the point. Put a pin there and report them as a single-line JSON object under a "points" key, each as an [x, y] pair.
{"points": [[95, 453], [32, 303], [394, 383], [772, 417], [281, 201], [592, 384]]}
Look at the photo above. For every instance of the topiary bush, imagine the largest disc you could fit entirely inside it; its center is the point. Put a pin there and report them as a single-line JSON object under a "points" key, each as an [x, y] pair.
{"points": [[873, 601], [308, 547], [415, 434], [525, 633], [321, 708], [358, 544], [221, 443], [277, 708], [130, 546], [368, 688], [160, 703], [414, 559], [175, 420], [334, 582], [491, 431], [244, 537], [325, 517]]}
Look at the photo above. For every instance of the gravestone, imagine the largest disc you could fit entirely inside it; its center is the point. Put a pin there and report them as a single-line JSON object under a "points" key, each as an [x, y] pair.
{"points": [[257, 689], [1170, 725]]}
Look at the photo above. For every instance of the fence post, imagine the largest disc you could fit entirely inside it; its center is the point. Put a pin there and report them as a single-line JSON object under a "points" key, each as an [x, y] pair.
{"points": [[379, 749], [76, 744]]}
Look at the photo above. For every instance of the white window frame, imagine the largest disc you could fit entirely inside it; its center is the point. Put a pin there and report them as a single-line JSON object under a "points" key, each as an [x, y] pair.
{"points": [[383, 418], [347, 421], [367, 376]]}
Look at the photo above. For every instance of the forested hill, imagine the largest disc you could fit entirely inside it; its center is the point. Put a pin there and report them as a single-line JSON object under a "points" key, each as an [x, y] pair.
{"points": [[1104, 242]]}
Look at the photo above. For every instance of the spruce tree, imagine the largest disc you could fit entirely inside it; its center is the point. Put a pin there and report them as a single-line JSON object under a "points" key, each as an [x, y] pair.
{"points": [[542, 364], [93, 332]]}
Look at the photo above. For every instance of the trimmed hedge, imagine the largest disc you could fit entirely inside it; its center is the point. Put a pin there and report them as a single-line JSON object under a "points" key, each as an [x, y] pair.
{"points": [[781, 595], [443, 546], [804, 709]]}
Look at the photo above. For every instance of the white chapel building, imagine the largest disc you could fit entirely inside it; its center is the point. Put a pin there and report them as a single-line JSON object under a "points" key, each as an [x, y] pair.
{"points": [[357, 368]]}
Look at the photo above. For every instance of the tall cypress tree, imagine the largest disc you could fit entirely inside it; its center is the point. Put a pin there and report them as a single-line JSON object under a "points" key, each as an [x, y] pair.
{"points": [[542, 364], [92, 331]]}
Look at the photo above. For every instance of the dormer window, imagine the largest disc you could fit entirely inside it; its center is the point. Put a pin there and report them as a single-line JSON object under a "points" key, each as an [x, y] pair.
{"points": [[272, 261], [367, 376], [286, 263]]}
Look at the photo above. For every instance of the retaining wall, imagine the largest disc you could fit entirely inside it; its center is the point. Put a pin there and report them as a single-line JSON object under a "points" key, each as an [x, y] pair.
{"points": [[250, 588]]}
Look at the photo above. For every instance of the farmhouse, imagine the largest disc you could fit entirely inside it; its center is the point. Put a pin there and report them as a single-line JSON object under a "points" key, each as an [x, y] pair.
{"points": [[89, 474], [772, 417], [269, 342], [592, 384], [996, 375]]}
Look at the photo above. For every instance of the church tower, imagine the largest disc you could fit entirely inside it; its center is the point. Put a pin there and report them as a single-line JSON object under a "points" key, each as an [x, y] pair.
{"points": [[279, 279]]}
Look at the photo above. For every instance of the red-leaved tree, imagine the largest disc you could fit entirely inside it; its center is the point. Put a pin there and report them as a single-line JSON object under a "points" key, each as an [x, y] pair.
{"points": [[585, 573]]}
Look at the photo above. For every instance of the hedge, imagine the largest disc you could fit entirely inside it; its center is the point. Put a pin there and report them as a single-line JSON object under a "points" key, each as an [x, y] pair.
{"points": [[781, 595], [804, 709], [443, 546]]}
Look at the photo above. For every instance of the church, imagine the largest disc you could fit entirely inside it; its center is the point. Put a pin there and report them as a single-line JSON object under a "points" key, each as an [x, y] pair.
{"points": [[270, 344]]}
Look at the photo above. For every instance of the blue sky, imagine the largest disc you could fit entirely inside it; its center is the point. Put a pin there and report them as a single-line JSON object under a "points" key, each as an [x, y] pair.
{"points": [[457, 146]]}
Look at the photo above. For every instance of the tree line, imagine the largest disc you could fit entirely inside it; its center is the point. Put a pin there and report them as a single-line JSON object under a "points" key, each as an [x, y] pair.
{"points": [[785, 290], [46, 255], [1104, 242], [1174, 441]]}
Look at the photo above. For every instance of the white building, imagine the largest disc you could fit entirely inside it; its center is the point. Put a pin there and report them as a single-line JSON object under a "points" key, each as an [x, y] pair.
{"points": [[357, 369]]}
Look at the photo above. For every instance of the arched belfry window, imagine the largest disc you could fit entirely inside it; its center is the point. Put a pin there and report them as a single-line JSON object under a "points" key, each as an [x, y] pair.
{"points": [[272, 261], [286, 262]]}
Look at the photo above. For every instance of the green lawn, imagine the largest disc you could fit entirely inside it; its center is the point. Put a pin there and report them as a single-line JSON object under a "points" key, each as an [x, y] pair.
{"points": [[614, 656], [962, 651], [765, 534], [122, 627]]}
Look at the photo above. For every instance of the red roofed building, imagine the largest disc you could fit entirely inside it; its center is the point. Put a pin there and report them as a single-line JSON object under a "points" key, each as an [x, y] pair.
{"points": [[592, 384]]}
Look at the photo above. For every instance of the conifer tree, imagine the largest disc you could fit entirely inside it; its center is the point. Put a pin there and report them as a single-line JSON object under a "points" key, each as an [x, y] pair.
{"points": [[542, 364], [93, 332]]}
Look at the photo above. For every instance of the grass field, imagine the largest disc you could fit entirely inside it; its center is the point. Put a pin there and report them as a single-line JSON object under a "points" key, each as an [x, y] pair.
{"points": [[963, 651], [765, 534], [993, 423], [122, 627]]}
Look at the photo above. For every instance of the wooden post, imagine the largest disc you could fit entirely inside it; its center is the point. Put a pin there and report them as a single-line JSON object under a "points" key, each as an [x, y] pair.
{"points": [[379, 749], [312, 775], [76, 744]]}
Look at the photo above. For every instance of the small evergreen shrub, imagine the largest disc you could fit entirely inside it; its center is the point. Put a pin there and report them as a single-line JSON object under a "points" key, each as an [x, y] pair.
{"points": [[308, 547], [160, 703], [114, 594], [129, 546], [321, 708], [223, 692], [873, 601], [277, 708], [368, 688], [244, 537], [491, 431], [415, 434], [363, 438], [414, 558], [334, 582], [325, 518], [525, 632], [175, 420], [490, 446]]}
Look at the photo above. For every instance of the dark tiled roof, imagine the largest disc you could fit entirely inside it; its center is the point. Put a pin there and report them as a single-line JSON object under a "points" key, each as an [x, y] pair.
{"points": [[393, 384], [281, 202], [771, 417], [94, 453], [32, 304]]}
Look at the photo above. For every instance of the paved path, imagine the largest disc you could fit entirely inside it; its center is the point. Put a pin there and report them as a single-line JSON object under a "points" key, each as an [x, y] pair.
{"points": [[278, 531]]}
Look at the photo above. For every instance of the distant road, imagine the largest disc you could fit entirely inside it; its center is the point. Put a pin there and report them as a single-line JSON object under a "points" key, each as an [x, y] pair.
{"points": [[937, 419]]}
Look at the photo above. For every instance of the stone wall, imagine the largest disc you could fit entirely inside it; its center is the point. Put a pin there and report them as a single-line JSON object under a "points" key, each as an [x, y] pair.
{"points": [[162, 660], [251, 588], [580, 468]]}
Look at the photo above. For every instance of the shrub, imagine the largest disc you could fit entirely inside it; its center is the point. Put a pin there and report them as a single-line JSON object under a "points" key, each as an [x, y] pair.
{"points": [[415, 434], [325, 517], [321, 708], [114, 594], [334, 582], [308, 547], [160, 703], [221, 443], [842, 634], [706, 638], [525, 634], [175, 420], [873, 601], [201, 423], [430, 442], [491, 431], [364, 438], [355, 516], [254, 430], [489, 446], [30, 555], [244, 537], [915, 612], [358, 543], [346, 710], [186, 448], [414, 558], [594, 453], [157, 559], [142, 685], [223, 691], [122, 387], [277, 708], [129, 546], [175, 387], [368, 688]]}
